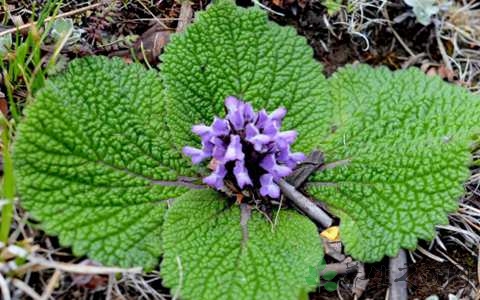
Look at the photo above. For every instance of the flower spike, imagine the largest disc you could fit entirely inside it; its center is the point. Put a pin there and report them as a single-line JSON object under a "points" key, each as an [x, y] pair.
{"points": [[247, 147]]}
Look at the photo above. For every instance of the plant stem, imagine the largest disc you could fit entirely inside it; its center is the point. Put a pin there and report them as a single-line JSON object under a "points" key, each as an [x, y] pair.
{"points": [[8, 184]]}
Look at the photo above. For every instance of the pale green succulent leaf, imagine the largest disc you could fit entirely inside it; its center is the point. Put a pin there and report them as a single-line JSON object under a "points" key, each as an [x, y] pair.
{"points": [[424, 10], [209, 254], [401, 145], [232, 51], [93, 164]]}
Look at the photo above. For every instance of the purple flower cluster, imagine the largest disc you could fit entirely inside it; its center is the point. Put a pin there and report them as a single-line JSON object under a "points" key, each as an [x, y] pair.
{"points": [[247, 146]]}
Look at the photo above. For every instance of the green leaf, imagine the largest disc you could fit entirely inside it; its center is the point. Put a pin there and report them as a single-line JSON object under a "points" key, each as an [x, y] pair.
{"points": [[333, 6], [402, 145], [329, 275], [321, 265], [232, 51], [5, 44], [61, 27], [312, 272], [330, 286], [312, 281], [210, 255], [92, 161], [424, 10]]}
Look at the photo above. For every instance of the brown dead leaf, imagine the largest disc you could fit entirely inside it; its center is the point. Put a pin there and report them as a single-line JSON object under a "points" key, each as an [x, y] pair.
{"points": [[442, 71], [89, 281], [432, 72], [148, 46], [151, 43], [446, 73], [239, 199], [3, 104]]}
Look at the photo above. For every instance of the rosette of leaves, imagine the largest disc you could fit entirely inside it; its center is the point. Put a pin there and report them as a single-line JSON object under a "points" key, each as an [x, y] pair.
{"points": [[99, 163]]}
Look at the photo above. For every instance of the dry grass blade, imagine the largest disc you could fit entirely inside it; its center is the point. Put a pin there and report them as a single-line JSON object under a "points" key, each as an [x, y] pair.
{"points": [[51, 285], [430, 255], [83, 269], [64, 15], [4, 288], [22, 286]]}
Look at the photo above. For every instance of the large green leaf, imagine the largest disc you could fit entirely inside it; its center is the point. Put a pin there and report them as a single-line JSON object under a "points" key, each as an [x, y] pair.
{"points": [[404, 140], [92, 162], [211, 254], [232, 51]]}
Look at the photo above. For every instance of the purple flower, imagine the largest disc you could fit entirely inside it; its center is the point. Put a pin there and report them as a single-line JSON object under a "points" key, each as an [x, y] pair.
{"points": [[247, 147], [268, 187], [216, 178], [195, 154], [234, 151], [219, 148], [241, 174], [269, 164], [278, 115], [258, 140]]}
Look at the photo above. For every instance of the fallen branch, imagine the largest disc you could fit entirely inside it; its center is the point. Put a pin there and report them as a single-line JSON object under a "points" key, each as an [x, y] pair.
{"points": [[305, 204], [398, 280]]}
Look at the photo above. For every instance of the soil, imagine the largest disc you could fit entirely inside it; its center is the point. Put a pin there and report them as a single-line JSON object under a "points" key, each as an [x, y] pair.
{"points": [[383, 47]]}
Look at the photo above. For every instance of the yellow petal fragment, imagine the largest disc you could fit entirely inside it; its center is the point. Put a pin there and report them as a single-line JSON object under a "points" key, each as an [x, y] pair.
{"points": [[331, 233]]}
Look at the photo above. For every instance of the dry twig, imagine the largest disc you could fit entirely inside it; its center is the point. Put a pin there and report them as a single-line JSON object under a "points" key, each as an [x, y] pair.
{"points": [[185, 17], [305, 204], [360, 281], [398, 285]]}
